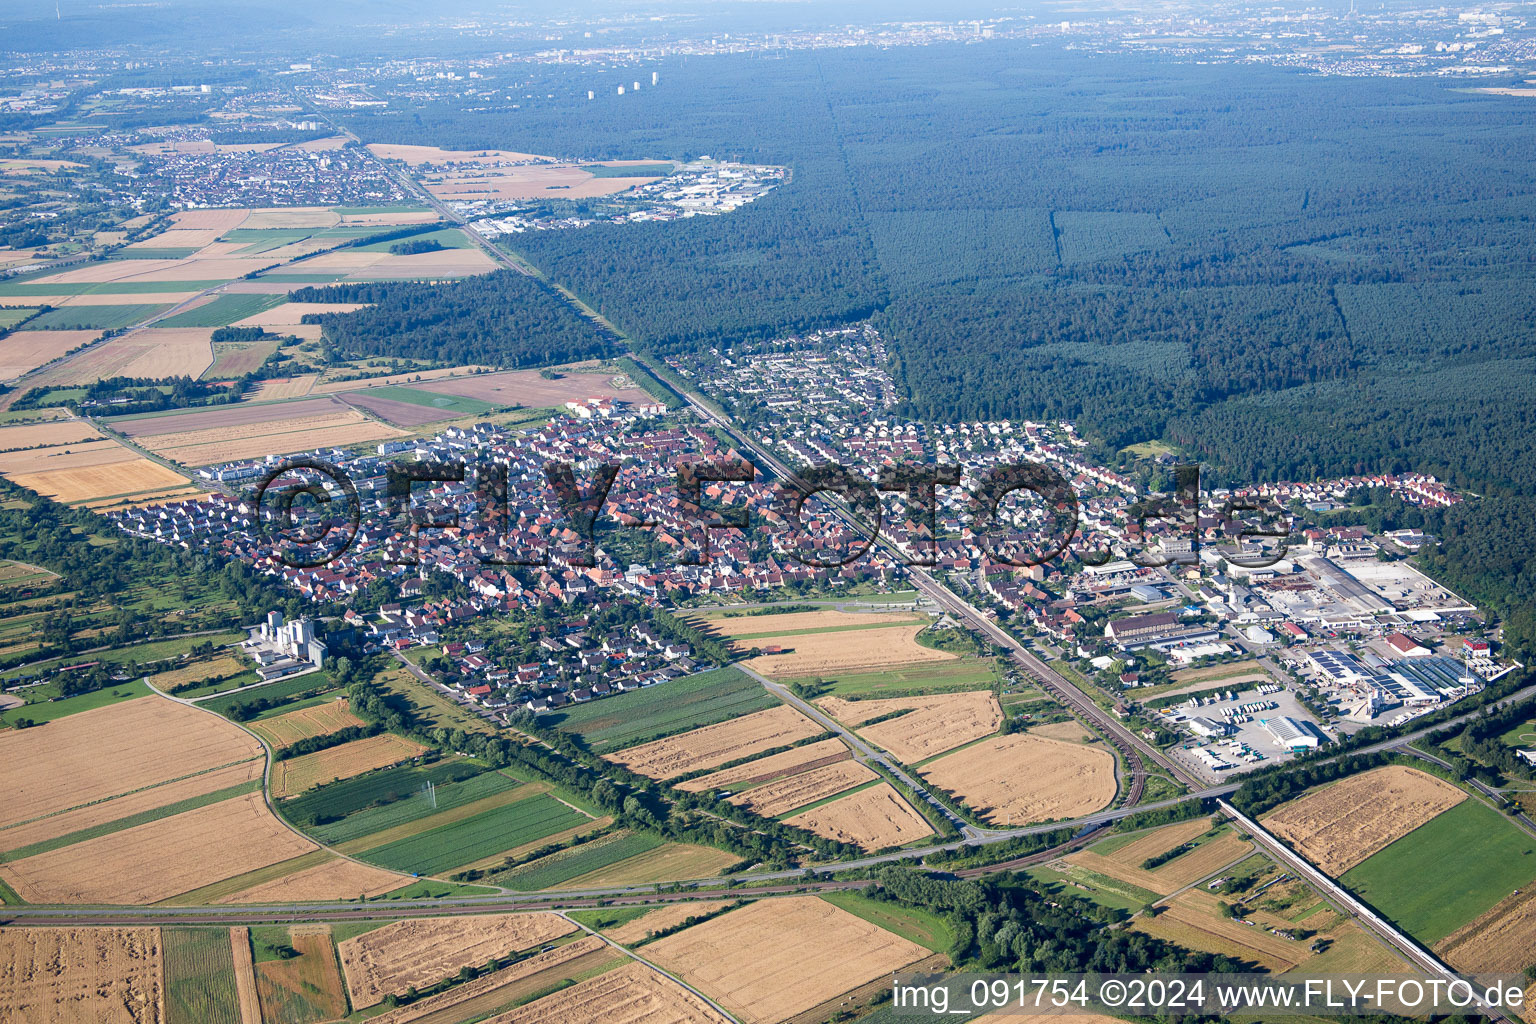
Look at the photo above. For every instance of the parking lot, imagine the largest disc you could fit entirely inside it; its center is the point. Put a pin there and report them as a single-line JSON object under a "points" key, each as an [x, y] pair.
{"points": [[1251, 746]]}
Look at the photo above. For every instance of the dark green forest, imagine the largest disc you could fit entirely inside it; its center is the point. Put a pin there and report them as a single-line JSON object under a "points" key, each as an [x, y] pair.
{"points": [[499, 319], [1286, 275]]}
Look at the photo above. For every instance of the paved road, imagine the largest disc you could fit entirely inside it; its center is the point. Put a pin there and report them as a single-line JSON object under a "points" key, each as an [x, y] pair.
{"points": [[1132, 748], [793, 879]]}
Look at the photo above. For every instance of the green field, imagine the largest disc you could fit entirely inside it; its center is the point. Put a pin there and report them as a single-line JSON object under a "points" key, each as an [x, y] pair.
{"points": [[656, 170], [923, 927], [336, 800], [1447, 871], [224, 310], [472, 839], [48, 711], [104, 287], [94, 318], [579, 860], [199, 976], [448, 238], [10, 316], [170, 252], [449, 795], [931, 677], [282, 689], [451, 405], [625, 718]]}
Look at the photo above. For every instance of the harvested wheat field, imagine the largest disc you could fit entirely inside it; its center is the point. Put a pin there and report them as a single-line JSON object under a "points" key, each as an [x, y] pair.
{"points": [[283, 387], [528, 389], [13, 837], [774, 766], [319, 720], [76, 455], [421, 952], [935, 724], [275, 437], [522, 980], [289, 217], [1068, 732], [1020, 778], [160, 859], [152, 352], [200, 421], [417, 155], [1341, 825], [560, 181], [35, 435], [226, 665], [431, 265], [389, 218], [333, 880], [25, 350], [814, 654], [75, 975], [444, 375], [1500, 941], [129, 477], [1192, 919], [668, 862], [245, 975], [105, 752], [775, 958], [775, 798], [632, 994], [292, 313], [873, 818], [1158, 841], [1203, 860], [662, 919], [798, 622], [717, 744], [209, 220], [295, 775]]}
